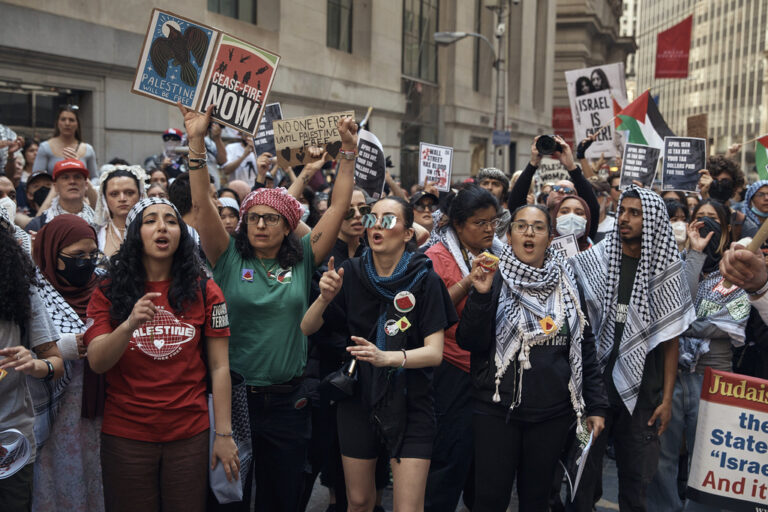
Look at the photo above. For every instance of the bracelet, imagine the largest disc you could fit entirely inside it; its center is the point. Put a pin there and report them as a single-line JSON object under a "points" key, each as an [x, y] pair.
{"points": [[347, 155], [201, 162], [197, 152], [759, 291], [405, 358], [50, 370], [222, 435], [461, 286]]}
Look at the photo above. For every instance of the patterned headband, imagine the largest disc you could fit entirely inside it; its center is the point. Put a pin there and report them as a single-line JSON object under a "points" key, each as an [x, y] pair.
{"points": [[145, 203]]}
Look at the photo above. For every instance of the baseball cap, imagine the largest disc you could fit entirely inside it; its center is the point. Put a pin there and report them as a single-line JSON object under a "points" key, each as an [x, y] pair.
{"points": [[70, 164], [418, 196], [172, 133], [37, 175]]}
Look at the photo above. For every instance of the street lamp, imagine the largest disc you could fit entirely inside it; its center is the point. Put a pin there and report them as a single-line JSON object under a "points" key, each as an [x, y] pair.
{"points": [[446, 38]]}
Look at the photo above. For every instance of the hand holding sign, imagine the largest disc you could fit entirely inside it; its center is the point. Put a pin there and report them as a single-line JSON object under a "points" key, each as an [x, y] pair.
{"points": [[746, 267], [195, 123], [705, 181], [348, 133]]}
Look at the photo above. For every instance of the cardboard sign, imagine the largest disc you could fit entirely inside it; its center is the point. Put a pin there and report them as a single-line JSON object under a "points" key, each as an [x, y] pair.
{"points": [[566, 244], [551, 170], [697, 126], [186, 61], [684, 157], [435, 165], [592, 92], [729, 467], [370, 165], [264, 141], [638, 164], [293, 136]]}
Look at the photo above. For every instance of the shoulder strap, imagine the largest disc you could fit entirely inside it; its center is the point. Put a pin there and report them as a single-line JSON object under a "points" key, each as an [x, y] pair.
{"points": [[203, 288]]}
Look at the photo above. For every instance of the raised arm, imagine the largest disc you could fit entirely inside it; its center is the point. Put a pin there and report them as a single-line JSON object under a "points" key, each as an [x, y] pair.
{"points": [[583, 187], [327, 228], [396, 189], [213, 236], [307, 173]]}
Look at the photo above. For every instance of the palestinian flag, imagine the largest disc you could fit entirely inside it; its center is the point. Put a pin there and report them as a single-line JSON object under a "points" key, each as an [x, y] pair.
{"points": [[761, 157], [643, 121]]}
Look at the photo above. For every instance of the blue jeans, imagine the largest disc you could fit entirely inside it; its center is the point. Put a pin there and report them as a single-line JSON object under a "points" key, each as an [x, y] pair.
{"points": [[662, 493]]}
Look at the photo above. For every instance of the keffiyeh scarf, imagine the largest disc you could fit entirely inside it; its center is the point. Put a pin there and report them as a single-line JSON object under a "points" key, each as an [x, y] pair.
{"points": [[748, 195], [528, 296], [450, 240], [87, 213], [729, 312], [660, 306]]}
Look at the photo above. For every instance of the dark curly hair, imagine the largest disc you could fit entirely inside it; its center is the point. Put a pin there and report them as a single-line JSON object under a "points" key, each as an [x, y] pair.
{"points": [[16, 276], [124, 283], [718, 164], [289, 254]]}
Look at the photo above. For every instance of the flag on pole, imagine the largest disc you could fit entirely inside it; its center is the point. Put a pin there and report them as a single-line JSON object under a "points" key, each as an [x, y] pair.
{"points": [[761, 157], [643, 121], [672, 50]]}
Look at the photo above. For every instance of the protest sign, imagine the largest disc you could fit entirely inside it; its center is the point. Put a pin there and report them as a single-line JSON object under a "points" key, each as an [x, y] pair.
{"points": [[293, 136], [264, 141], [435, 165], [566, 244], [638, 164], [729, 467], [551, 170], [592, 92], [697, 126], [370, 165], [684, 157], [186, 61]]}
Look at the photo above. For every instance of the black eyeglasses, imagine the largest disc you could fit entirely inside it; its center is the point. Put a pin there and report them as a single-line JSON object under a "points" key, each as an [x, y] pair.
{"points": [[270, 219], [81, 260], [363, 209], [419, 207], [520, 227]]}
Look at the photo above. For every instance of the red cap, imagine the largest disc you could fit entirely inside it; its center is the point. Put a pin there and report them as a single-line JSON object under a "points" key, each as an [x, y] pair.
{"points": [[70, 164], [172, 132]]}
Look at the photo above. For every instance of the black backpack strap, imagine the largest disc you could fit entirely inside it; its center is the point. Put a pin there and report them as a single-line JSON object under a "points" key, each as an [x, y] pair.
{"points": [[203, 288]]}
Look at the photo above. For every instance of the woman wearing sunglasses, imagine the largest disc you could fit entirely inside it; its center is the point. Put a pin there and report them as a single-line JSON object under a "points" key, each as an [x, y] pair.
{"points": [[68, 469], [533, 366], [395, 309], [265, 271]]}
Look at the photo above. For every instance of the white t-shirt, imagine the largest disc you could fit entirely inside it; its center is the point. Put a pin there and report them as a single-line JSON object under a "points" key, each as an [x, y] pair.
{"points": [[247, 170]]}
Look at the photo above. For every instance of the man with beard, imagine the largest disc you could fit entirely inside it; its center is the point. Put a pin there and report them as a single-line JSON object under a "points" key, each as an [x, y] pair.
{"points": [[638, 303]]}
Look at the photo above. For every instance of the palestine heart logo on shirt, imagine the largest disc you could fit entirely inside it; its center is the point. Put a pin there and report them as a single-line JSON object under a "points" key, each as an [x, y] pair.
{"points": [[162, 337]]}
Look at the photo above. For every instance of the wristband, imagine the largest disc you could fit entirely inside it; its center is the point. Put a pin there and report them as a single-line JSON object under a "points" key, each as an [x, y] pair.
{"points": [[200, 163], [197, 152], [347, 155], [763, 289], [50, 370], [219, 434], [405, 358]]}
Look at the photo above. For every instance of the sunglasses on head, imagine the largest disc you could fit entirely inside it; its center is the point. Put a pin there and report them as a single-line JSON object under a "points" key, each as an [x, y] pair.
{"points": [[363, 209], [387, 221], [564, 190], [69, 107]]}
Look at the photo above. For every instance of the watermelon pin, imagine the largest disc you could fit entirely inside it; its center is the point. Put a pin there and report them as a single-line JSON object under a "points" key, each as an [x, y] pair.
{"points": [[404, 302], [547, 324], [247, 275], [403, 324]]}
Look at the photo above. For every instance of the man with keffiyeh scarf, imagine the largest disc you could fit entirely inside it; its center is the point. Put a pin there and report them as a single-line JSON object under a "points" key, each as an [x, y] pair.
{"points": [[638, 303]]}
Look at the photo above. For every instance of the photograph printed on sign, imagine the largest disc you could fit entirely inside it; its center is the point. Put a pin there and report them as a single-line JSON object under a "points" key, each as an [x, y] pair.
{"points": [[370, 164], [684, 157], [293, 137], [240, 79], [264, 141], [173, 60], [638, 163]]}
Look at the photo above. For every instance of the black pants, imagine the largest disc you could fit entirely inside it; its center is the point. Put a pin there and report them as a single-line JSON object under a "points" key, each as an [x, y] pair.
{"points": [[16, 490], [529, 451], [453, 448], [280, 432], [637, 456]]}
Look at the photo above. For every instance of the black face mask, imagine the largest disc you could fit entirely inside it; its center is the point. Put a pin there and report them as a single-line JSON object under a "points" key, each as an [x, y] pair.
{"points": [[40, 195], [722, 190], [77, 271], [713, 258]]}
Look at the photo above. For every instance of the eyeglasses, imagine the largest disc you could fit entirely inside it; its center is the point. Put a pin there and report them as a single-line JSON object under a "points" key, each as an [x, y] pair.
{"points": [[521, 227], [483, 224], [387, 221], [81, 260], [363, 209], [564, 190], [270, 219], [761, 195], [419, 207]]}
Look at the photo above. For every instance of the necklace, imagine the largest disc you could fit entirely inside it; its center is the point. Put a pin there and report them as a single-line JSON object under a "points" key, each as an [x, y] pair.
{"points": [[269, 271]]}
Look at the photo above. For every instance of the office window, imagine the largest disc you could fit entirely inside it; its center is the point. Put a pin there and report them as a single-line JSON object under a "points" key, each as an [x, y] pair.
{"points": [[339, 26], [244, 10], [419, 48]]}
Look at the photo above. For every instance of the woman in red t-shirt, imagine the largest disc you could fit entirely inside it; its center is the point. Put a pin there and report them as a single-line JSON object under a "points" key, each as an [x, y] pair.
{"points": [[149, 317]]}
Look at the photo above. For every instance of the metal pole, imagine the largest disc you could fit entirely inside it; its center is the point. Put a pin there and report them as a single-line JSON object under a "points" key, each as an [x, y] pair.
{"points": [[498, 124]]}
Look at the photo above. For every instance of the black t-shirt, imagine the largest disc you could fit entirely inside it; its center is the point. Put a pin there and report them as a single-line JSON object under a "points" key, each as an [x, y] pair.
{"points": [[652, 384]]}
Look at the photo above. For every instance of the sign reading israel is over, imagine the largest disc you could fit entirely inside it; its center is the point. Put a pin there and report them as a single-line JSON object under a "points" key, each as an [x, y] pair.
{"points": [[729, 468], [186, 61]]}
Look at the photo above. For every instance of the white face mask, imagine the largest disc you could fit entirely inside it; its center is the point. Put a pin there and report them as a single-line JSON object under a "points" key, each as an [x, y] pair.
{"points": [[571, 224], [10, 207], [680, 229], [170, 145]]}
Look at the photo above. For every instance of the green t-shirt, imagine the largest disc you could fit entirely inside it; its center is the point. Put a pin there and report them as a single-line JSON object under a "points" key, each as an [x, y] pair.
{"points": [[265, 311]]}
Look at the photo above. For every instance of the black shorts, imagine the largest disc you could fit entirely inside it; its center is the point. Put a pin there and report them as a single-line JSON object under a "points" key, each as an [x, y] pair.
{"points": [[358, 437]]}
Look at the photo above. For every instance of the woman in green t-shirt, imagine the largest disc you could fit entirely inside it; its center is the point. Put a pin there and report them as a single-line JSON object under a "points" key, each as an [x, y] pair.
{"points": [[265, 271]]}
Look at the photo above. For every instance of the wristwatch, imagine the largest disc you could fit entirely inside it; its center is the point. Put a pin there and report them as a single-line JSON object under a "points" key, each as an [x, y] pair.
{"points": [[763, 289]]}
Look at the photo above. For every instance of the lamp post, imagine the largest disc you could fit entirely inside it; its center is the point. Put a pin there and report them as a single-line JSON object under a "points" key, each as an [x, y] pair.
{"points": [[446, 38]]}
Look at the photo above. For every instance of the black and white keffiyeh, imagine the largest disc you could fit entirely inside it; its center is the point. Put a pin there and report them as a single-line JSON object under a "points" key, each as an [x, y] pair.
{"points": [[660, 306], [529, 295], [145, 203], [447, 236], [87, 213]]}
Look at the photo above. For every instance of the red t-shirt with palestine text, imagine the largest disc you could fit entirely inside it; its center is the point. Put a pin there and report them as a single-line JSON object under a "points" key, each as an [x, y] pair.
{"points": [[156, 391]]}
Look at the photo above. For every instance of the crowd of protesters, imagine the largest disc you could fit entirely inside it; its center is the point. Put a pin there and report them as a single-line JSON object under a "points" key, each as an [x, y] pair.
{"points": [[435, 341]]}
